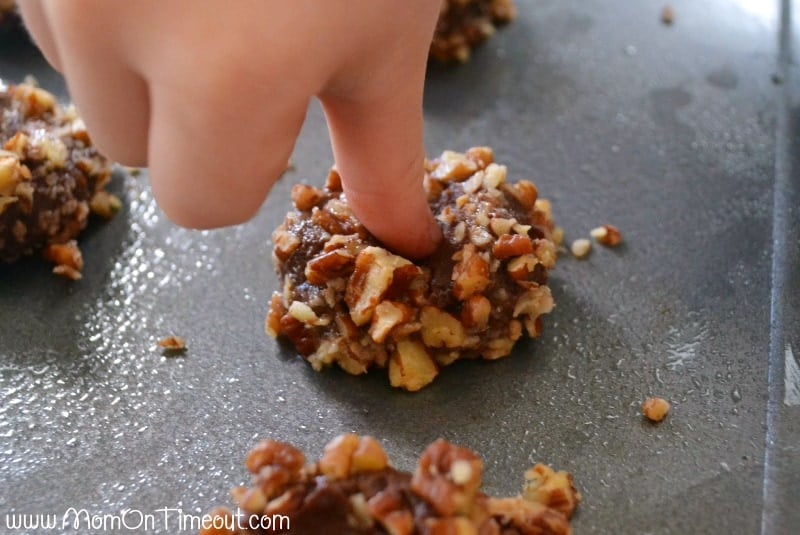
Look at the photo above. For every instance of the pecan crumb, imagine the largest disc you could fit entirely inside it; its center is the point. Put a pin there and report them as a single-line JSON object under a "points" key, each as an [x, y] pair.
{"points": [[172, 343], [667, 15], [607, 235], [655, 409], [581, 248], [67, 272]]}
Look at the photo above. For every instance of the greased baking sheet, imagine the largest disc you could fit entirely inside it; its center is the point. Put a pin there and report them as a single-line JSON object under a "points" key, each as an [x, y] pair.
{"points": [[681, 136]]}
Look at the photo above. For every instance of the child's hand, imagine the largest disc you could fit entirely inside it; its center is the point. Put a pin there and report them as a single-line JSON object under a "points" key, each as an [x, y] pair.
{"points": [[211, 96]]}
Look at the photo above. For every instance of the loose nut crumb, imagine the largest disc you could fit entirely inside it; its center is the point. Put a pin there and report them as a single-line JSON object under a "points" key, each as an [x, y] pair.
{"points": [[67, 272], [667, 15], [607, 235], [172, 343], [64, 254], [655, 409], [581, 248]]}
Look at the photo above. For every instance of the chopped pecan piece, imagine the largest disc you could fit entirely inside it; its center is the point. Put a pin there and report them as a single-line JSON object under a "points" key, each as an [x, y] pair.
{"points": [[172, 343], [64, 254], [327, 266], [68, 272], [448, 478], [476, 311], [387, 316], [470, 274], [337, 458], [520, 513], [350, 454], [525, 193], [581, 248], [374, 271], [553, 489], [608, 235], [306, 197], [667, 15], [440, 329], [509, 245], [655, 409], [105, 204], [12, 172], [453, 166], [482, 156], [410, 366]]}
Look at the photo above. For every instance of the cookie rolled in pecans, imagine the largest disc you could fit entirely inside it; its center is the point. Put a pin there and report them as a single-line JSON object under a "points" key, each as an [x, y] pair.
{"points": [[9, 18], [51, 177], [348, 301], [354, 490]]}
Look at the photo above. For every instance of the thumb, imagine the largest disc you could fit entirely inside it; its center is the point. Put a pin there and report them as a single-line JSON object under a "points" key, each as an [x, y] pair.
{"points": [[377, 145]]}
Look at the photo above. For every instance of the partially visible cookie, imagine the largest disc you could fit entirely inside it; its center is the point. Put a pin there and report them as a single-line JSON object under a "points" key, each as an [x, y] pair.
{"points": [[464, 24], [354, 490], [9, 18], [348, 301], [51, 177]]}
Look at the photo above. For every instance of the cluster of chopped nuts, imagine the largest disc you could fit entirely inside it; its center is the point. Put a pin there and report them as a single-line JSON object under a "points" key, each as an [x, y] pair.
{"points": [[354, 490], [464, 24], [346, 300], [51, 178]]}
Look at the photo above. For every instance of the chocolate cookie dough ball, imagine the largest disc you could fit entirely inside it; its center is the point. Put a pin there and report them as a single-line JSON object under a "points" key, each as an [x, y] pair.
{"points": [[464, 24], [347, 300], [51, 177]]}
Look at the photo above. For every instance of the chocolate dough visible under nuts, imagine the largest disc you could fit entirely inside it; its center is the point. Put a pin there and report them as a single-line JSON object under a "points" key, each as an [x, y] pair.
{"points": [[348, 301], [50, 174], [353, 490]]}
